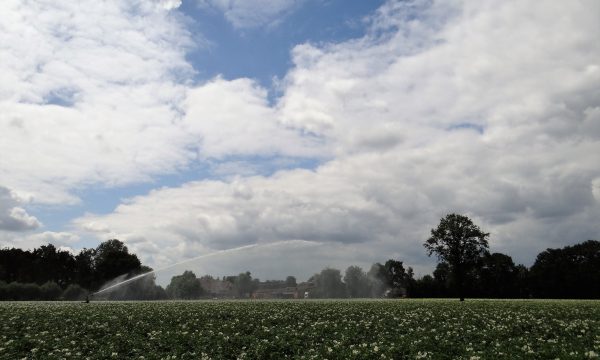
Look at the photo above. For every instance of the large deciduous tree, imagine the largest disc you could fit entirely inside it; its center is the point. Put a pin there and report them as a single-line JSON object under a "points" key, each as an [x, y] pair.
{"points": [[569, 272], [112, 259], [460, 243], [498, 277], [328, 284], [244, 285], [184, 286], [393, 277], [357, 282]]}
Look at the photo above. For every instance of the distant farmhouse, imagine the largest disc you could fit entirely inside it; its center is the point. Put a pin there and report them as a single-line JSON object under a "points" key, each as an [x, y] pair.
{"points": [[267, 290], [281, 293]]}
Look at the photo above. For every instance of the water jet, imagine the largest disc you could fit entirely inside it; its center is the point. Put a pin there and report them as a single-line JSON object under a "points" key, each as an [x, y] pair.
{"points": [[215, 253]]}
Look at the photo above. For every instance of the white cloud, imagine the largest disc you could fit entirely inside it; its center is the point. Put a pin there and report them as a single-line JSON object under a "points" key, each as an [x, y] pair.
{"points": [[489, 111], [484, 108], [30, 241], [169, 4], [233, 118], [252, 13], [96, 94], [88, 94], [58, 238], [12, 216]]}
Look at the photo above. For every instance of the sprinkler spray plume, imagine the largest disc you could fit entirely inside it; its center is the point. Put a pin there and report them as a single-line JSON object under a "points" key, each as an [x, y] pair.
{"points": [[219, 252]]}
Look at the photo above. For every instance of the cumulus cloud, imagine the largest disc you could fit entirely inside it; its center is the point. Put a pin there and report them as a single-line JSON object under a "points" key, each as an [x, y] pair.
{"points": [[98, 94], [87, 92], [62, 240], [487, 109], [252, 13], [233, 118], [59, 238], [169, 4], [12, 216]]}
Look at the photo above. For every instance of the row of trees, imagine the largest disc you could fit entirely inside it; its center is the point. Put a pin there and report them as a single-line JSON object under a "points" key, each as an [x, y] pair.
{"points": [[90, 268], [382, 280], [570, 272], [465, 268], [188, 286], [47, 291], [48, 273]]}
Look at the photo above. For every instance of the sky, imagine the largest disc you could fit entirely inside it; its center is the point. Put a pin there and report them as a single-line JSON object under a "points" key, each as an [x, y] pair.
{"points": [[284, 136]]}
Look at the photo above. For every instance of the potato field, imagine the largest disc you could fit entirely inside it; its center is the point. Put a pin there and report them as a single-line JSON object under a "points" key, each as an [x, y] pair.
{"points": [[353, 329]]}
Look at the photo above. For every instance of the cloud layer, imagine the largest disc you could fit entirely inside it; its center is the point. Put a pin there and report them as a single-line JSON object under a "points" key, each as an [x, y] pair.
{"points": [[97, 95], [484, 108]]}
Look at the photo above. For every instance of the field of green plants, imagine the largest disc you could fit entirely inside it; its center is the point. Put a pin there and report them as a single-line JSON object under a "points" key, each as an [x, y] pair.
{"points": [[392, 329]]}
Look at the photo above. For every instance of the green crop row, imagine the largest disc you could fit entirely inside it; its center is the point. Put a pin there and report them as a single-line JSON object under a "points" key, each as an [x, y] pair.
{"points": [[394, 329]]}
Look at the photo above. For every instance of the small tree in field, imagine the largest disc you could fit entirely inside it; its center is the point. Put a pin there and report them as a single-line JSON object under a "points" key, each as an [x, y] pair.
{"points": [[460, 243]]}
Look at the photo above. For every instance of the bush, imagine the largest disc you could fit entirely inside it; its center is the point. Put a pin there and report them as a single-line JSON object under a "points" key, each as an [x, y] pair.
{"points": [[74, 292], [3, 290], [19, 291], [50, 291]]}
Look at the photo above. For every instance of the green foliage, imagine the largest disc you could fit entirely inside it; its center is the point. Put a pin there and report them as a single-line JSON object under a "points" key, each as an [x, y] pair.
{"points": [[460, 243], [74, 292], [290, 281], [50, 291], [376, 283], [184, 286], [394, 277], [328, 284], [357, 283], [570, 272], [90, 268], [383, 329], [53, 265], [85, 275], [19, 291], [112, 258], [244, 286], [457, 241]]}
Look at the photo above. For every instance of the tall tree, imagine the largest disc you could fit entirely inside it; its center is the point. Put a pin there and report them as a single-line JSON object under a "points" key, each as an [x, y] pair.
{"points": [[17, 265], [113, 259], [184, 286], [357, 282], [442, 279], [498, 277], [84, 268], [570, 272], [243, 285], [460, 243], [328, 284], [53, 265], [394, 277], [376, 283], [290, 281]]}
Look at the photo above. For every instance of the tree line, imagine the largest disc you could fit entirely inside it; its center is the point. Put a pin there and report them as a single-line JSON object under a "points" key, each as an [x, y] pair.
{"points": [[466, 268], [48, 273]]}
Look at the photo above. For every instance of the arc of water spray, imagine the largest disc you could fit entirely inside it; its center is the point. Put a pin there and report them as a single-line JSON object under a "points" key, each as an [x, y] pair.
{"points": [[218, 252]]}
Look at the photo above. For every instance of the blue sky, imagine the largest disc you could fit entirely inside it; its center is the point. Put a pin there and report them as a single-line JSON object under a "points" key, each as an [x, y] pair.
{"points": [[339, 130], [262, 53]]}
